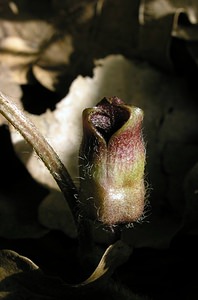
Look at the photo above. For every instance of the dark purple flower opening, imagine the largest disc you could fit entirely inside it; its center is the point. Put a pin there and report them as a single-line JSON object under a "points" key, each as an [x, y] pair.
{"points": [[112, 161], [109, 117]]}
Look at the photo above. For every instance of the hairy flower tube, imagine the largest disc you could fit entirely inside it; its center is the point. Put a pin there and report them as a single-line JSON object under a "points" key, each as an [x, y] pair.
{"points": [[112, 163]]}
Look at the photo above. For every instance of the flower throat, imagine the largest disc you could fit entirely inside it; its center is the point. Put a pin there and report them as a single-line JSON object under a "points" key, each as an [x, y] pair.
{"points": [[110, 118]]}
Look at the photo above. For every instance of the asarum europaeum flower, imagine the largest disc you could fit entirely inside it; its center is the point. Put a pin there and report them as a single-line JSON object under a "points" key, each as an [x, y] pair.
{"points": [[112, 162]]}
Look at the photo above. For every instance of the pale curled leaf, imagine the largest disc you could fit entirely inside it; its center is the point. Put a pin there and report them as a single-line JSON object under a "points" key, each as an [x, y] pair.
{"points": [[12, 263], [20, 278], [114, 256]]}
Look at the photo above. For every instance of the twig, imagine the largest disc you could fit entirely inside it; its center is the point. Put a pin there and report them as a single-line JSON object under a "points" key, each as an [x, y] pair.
{"points": [[46, 153]]}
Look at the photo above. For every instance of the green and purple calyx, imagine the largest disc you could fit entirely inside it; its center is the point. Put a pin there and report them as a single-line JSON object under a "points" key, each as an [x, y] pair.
{"points": [[112, 162]]}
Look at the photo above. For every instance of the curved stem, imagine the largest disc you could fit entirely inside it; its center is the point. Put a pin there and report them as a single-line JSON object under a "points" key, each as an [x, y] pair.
{"points": [[46, 153]]}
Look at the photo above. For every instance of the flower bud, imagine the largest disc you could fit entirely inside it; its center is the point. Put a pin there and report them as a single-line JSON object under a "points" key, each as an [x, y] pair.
{"points": [[112, 162]]}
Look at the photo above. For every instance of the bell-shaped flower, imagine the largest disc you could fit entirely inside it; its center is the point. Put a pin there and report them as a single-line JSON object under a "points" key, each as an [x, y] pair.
{"points": [[112, 163]]}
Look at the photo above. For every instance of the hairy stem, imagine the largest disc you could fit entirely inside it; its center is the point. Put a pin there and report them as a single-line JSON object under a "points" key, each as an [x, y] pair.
{"points": [[46, 153]]}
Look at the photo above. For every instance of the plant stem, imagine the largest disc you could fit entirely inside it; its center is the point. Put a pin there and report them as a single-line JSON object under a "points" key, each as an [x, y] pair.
{"points": [[40, 145]]}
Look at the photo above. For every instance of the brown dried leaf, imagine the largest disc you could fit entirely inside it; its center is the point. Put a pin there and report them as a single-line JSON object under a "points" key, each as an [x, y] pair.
{"points": [[22, 44], [160, 21], [38, 39], [53, 62], [34, 46]]}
